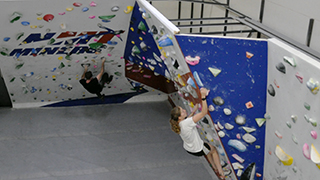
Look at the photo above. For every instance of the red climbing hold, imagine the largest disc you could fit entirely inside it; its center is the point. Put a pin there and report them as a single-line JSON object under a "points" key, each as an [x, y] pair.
{"points": [[48, 17]]}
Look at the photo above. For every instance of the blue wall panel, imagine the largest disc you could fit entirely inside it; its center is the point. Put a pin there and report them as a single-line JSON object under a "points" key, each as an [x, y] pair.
{"points": [[242, 79]]}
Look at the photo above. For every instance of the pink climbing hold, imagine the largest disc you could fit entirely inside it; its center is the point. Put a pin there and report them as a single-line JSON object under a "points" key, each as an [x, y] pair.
{"points": [[92, 17], [93, 4], [306, 151], [192, 61], [95, 66], [314, 134], [146, 76], [48, 17], [109, 54], [143, 58], [62, 13]]}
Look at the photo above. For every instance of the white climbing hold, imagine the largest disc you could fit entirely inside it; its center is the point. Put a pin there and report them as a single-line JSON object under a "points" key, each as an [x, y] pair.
{"points": [[228, 126], [221, 134]]}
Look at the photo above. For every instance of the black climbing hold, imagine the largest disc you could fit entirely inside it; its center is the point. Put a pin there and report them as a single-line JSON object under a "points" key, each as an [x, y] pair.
{"points": [[249, 173], [218, 101], [281, 67], [271, 90], [205, 120]]}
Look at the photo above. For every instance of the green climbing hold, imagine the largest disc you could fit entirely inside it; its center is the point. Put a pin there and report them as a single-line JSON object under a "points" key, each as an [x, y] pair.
{"points": [[95, 45], [23, 80], [12, 79], [307, 106], [142, 26], [135, 50], [260, 121], [107, 17], [4, 51], [51, 41], [68, 57], [15, 17], [19, 66], [61, 65], [19, 35], [117, 73]]}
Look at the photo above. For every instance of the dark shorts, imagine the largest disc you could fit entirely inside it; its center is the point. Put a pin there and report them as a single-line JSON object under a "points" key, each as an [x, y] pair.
{"points": [[201, 153]]}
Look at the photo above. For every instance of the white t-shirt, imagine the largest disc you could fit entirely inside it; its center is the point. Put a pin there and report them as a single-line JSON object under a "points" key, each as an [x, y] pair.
{"points": [[190, 136]]}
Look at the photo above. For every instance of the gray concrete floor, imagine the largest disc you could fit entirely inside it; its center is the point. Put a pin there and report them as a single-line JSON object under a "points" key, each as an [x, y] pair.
{"points": [[131, 141]]}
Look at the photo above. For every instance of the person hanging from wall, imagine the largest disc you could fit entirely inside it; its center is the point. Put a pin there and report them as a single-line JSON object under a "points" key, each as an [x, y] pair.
{"points": [[96, 84], [185, 126]]}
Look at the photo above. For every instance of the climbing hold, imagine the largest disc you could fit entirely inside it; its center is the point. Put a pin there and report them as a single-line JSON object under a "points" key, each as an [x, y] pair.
{"points": [[306, 117], [218, 101], [48, 17], [211, 108], [192, 61], [18, 66], [228, 126], [95, 45], [277, 133], [271, 90], [214, 71], [6, 39], [12, 79], [249, 55], [284, 157], [61, 65], [227, 111], [142, 26], [313, 85], [249, 173], [306, 151], [92, 17], [191, 82], [314, 155], [281, 68], [107, 17], [115, 8], [290, 61], [294, 139], [314, 134], [153, 30], [93, 4], [299, 77], [221, 134], [197, 78], [60, 58], [143, 46], [63, 26], [248, 129], [85, 9], [29, 74], [237, 145], [62, 13], [238, 136], [238, 158], [118, 73], [307, 106], [165, 41], [249, 138], [4, 51], [76, 4], [294, 118], [219, 126], [128, 10], [288, 124], [313, 122], [69, 9], [260, 121], [19, 35], [240, 120], [33, 26], [15, 17], [249, 105], [146, 15], [135, 50], [39, 18], [25, 23]]}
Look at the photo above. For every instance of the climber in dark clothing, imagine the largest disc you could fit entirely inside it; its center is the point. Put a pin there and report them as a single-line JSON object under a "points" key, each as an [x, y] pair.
{"points": [[96, 84]]}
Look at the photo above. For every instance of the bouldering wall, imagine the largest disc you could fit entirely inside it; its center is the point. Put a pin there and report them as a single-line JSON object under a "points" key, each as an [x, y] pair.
{"points": [[235, 70], [44, 43], [292, 148]]}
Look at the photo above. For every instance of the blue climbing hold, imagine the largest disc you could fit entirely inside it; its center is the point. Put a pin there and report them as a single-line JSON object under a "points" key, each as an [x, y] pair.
{"points": [[6, 39], [105, 20], [197, 78], [166, 41], [84, 36], [237, 145], [85, 9], [25, 23], [112, 42]]}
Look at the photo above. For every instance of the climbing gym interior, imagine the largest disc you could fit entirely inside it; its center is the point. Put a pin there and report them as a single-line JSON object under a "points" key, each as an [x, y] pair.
{"points": [[262, 102]]}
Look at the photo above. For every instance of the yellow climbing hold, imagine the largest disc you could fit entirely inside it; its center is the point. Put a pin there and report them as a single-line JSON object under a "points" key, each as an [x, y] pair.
{"points": [[140, 38], [39, 18], [141, 63], [284, 158], [128, 10], [214, 71], [60, 58], [132, 42], [33, 26], [131, 29], [315, 156], [69, 8], [180, 80], [164, 54]]}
